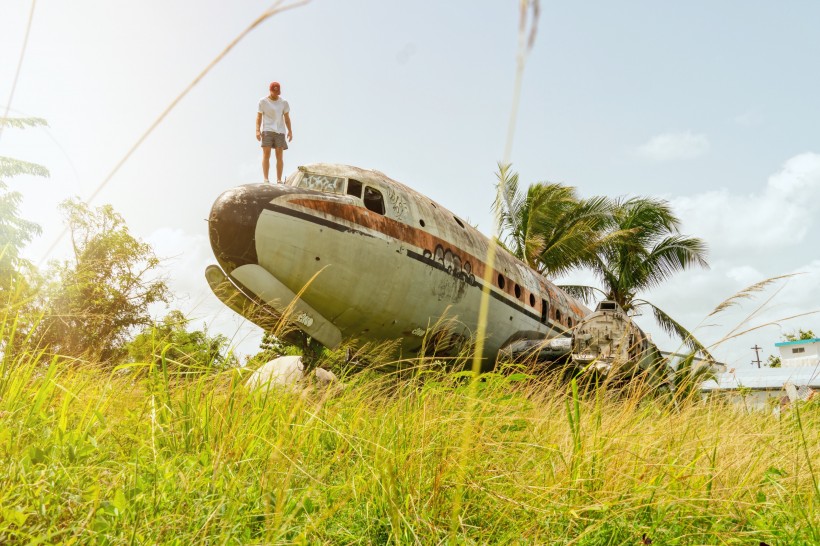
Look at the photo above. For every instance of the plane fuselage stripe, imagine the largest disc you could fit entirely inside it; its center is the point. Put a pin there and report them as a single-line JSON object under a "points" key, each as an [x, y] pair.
{"points": [[410, 253]]}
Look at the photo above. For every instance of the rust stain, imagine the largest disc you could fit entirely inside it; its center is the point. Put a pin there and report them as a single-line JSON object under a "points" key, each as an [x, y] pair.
{"points": [[425, 240]]}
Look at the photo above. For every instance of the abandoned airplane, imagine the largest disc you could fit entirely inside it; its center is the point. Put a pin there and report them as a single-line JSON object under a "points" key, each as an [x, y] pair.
{"points": [[349, 253]]}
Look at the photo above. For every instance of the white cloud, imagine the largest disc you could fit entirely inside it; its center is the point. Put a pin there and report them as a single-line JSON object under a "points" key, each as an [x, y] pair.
{"points": [[744, 275], [767, 232], [749, 118], [767, 314], [674, 146], [780, 215]]}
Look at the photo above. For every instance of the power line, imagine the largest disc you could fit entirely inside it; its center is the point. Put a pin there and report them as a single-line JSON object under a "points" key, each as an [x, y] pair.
{"points": [[19, 66]]}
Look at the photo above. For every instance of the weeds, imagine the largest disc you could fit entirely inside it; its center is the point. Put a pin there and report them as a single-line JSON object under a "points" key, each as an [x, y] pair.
{"points": [[126, 458]]}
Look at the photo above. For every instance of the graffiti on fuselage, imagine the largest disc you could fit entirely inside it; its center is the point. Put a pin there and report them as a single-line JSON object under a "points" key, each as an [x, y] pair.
{"points": [[322, 183], [452, 263], [400, 207]]}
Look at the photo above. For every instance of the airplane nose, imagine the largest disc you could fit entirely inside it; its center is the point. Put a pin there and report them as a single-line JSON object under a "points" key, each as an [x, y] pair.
{"points": [[232, 223]]}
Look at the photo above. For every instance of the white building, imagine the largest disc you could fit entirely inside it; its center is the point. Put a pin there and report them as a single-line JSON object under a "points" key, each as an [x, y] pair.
{"points": [[800, 353], [797, 378], [760, 388]]}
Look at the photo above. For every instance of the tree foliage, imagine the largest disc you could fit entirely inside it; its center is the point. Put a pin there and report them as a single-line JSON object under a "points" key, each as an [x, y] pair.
{"points": [[22, 123], [97, 299], [774, 362], [645, 249], [16, 273], [549, 227], [632, 245], [192, 351], [799, 335]]}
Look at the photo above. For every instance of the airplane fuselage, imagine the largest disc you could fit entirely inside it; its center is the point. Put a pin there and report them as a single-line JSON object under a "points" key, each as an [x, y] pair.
{"points": [[370, 259]]}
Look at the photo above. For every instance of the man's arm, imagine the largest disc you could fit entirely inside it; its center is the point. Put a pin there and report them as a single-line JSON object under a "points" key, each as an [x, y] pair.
{"points": [[259, 126], [287, 123]]}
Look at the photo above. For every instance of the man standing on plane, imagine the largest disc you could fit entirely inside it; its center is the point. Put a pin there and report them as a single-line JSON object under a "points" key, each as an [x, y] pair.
{"points": [[274, 111]]}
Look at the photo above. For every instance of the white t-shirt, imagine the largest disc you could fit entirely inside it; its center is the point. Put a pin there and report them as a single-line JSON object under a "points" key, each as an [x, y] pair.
{"points": [[272, 112]]}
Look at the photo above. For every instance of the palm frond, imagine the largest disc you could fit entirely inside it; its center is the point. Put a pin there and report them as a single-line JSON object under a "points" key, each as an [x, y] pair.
{"points": [[584, 293], [671, 255], [10, 167], [672, 327], [571, 228], [22, 123], [508, 207], [654, 216], [689, 375]]}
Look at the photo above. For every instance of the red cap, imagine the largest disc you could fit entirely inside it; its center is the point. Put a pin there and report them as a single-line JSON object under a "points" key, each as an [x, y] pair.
{"points": [[274, 84]]}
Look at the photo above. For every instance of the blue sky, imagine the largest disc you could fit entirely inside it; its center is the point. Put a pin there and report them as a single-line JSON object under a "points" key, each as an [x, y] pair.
{"points": [[712, 106]]}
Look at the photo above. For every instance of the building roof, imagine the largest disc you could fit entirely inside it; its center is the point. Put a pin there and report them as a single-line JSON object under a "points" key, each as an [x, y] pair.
{"points": [[764, 379], [798, 342]]}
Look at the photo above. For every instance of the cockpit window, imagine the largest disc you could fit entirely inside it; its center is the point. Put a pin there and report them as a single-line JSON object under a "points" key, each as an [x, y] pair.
{"points": [[323, 183], [354, 187], [373, 200]]}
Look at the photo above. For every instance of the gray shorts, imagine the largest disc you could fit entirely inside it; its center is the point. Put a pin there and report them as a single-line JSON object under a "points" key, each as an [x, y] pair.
{"points": [[274, 140]]}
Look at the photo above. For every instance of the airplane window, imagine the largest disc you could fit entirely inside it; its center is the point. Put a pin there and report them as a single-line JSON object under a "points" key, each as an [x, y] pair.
{"points": [[373, 200], [354, 188], [544, 310], [517, 291], [421, 222], [458, 221], [532, 300], [448, 261], [501, 281]]}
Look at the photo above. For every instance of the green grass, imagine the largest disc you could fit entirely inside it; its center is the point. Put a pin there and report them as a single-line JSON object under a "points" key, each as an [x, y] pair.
{"points": [[142, 458]]}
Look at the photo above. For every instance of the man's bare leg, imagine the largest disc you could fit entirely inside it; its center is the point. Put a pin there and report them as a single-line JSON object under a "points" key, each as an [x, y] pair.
{"points": [[265, 161], [280, 164]]}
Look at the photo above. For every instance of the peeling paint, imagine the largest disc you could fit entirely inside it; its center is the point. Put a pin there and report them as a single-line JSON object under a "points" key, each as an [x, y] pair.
{"points": [[395, 266]]}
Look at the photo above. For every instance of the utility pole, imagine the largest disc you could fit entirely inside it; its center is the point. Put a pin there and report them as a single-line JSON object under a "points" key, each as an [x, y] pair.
{"points": [[757, 355]]}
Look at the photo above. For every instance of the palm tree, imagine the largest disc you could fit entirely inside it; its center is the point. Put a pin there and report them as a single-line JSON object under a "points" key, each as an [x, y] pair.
{"points": [[644, 250], [549, 227], [632, 245]]}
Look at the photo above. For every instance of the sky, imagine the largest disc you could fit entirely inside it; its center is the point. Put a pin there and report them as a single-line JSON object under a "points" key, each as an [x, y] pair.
{"points": [[711, 106]]}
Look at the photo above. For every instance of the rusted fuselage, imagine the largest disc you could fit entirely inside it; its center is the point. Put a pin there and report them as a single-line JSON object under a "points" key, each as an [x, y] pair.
{"points": [[355, 255], [609, 341]]}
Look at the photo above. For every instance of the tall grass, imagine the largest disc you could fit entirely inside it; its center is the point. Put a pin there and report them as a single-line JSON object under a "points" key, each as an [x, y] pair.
{"points": [[150, 458], [145, 456]]}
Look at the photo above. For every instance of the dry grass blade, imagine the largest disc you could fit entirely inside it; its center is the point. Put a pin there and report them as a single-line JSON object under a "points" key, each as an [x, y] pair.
{"points": [[524, 45], [777, 322], [754, 313], [747, 293], [379, 461], [270, 12]]}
